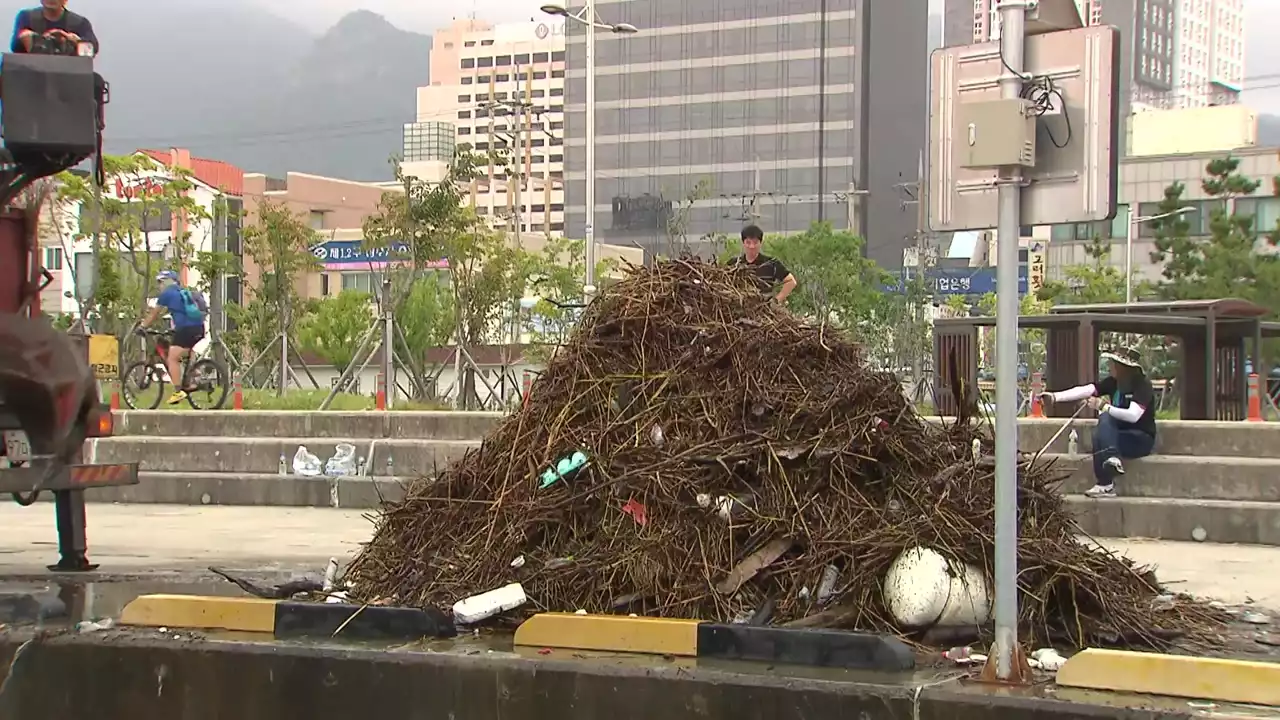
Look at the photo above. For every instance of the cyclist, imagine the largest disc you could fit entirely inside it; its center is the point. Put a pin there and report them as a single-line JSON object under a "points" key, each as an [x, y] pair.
{"points": [[187, 309]]}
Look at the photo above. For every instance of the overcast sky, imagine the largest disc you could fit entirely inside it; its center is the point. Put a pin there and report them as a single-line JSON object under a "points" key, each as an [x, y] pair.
{"points": [[420, 15]]}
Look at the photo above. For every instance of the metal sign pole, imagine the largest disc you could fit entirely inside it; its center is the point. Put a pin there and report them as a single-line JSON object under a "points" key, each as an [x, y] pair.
{"points": [[1012, 41]]}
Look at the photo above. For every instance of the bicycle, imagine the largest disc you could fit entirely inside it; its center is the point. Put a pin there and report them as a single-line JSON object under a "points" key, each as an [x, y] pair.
{"points": [[207, 378]]}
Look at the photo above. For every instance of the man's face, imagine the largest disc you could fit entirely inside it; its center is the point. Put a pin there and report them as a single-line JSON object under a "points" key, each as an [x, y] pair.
{"points": [[751, 246], [54, 6]]}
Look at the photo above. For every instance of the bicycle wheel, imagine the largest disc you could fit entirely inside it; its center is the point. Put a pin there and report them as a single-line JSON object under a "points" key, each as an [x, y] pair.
{"points": [[209, 382], [141, 387]]}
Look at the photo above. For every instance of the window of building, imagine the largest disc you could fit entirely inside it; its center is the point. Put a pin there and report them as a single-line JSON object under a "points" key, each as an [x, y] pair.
{"points": [[316, 219], [448, 46], [467, 80], [557, 73], [557, 158], [541, 57], [324, 284], [557, 124], [557, 56], [522, 59], [481, 80], [365, 282], [502, 60], [464, 114], [501, 77], [1265, 212], [430, 141], [467, 63], [470, 43], [486, 43], [53, 258], [484, 62], [539, 76], [557, 92], [557, 227], [464, 98], [482, 97]]}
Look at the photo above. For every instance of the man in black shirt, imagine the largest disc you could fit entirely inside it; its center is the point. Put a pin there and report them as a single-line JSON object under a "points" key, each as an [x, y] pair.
{"points": [[1126, 428], [52, 19], [770, 272]]}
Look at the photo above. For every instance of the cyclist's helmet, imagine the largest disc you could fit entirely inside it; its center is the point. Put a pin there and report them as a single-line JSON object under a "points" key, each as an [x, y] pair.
{"points": [[167, 276]]}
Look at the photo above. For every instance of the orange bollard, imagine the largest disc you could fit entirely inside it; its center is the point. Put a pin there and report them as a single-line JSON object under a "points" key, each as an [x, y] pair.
{"points": [[237, 396], [115, 400], [1037, 387], [380, 398], [1255, 399]]}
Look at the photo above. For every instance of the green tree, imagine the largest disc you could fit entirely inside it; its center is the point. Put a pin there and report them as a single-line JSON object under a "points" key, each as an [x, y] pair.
{"points": [[430, 223], [126, 251], [1227, 262], [279, 243], [337, 326], [424, 318]]}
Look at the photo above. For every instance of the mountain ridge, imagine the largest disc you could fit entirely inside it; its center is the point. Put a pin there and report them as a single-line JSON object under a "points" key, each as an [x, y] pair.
{"points": [[254, 88]]}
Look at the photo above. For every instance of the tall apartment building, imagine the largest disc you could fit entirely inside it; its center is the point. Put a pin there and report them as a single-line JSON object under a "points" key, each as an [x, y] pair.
{"points": [[1179, 53], [501, 88], [777, 113]]}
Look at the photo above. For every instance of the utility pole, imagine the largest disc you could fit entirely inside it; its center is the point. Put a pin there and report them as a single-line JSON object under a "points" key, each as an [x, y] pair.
{"points": [[1012, 44]]}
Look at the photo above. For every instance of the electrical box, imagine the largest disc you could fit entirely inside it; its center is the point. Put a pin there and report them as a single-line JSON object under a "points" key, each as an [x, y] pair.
{"points": [[995, 133]]}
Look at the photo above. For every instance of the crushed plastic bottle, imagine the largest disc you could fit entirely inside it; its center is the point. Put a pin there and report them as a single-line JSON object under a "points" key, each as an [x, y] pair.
{"points": [[331, 575], [343, 462], [1073, 443], [305, 464], [827, 586], [958, 654], [284, 465]]}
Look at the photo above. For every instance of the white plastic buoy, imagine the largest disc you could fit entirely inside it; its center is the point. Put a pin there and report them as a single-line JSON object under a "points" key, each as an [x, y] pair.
{"points": [[922, 590], [486, 605]]}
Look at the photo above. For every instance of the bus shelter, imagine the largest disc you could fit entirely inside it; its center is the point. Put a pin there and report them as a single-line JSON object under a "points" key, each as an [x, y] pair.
{"points": [[1217, 340]]}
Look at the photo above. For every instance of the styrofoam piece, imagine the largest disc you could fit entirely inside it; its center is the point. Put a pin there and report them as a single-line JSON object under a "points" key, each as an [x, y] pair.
{"points": [[921, 590], [485, 605]]}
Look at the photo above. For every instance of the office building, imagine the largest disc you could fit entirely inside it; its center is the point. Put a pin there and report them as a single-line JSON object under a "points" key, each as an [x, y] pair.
{"points": [[719, 113], [1179, 53], [500, 88]]}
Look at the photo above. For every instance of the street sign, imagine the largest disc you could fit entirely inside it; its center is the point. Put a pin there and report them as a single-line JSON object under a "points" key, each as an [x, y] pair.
{"points": [[1076, 182]]}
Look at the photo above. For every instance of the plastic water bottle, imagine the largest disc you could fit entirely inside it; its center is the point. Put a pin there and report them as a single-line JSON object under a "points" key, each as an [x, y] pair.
{"points": [[391, 468], [1073, 442], [284, 465]]}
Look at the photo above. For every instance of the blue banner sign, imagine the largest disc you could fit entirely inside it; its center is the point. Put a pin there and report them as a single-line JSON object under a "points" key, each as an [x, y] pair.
{"points": [[351, 252], [964, 281]]}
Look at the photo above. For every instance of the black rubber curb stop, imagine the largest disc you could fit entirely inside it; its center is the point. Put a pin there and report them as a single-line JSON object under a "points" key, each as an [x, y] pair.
{"points": [[287, 618]]}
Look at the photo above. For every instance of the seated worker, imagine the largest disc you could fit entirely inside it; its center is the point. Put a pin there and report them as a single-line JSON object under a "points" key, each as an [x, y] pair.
{"points": [[51, 19], [770, 272], [186, 308], [1126, 428]]}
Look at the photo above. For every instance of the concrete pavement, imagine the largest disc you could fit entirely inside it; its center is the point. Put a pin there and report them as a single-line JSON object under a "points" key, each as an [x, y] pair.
{"points": [[154, 538]]}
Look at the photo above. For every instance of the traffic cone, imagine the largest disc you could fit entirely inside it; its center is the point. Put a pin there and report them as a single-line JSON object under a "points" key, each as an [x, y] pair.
{"points": [[380, 397], [1255, 399], [237, 396], [1037, 387], [115, 400]]}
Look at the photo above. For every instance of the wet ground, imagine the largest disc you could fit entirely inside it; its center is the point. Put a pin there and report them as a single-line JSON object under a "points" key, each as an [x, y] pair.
{"points": [[150, 549]]}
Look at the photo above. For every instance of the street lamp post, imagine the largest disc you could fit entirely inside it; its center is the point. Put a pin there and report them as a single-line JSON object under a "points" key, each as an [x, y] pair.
{"points": [[587, 17], [1128, 244]]}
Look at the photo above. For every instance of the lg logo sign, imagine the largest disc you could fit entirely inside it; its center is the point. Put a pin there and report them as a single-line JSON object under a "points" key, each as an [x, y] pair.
{"points": [[543, 31]]}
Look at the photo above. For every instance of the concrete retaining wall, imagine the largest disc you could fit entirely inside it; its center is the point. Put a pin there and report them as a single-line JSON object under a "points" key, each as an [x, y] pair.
{"points": [[124, 677]]}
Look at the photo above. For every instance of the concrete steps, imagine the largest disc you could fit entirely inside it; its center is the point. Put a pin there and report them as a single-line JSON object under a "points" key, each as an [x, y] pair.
{"points": [[256, 489], [1223, 521], [427, 425], [1219, 477], [262, 454]]}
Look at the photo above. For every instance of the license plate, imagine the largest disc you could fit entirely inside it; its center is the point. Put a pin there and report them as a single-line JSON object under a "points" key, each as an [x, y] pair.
{"points": [[16, 447]]}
